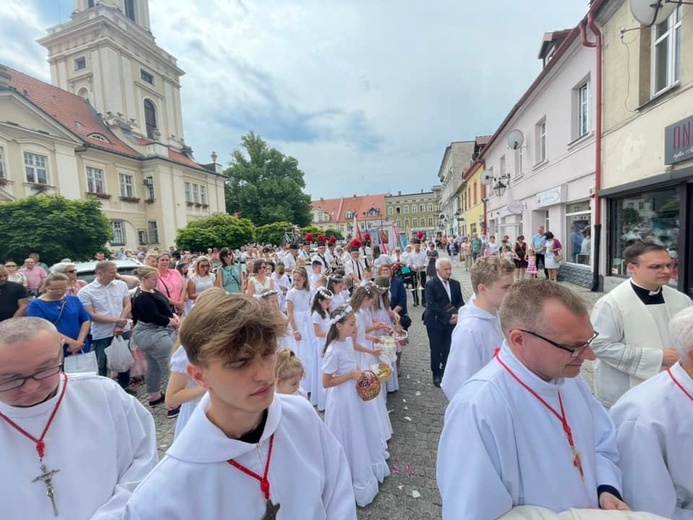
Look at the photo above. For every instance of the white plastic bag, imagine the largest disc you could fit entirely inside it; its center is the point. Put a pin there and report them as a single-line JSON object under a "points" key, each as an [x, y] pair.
{"points": [[81, 363], [118, 355]]}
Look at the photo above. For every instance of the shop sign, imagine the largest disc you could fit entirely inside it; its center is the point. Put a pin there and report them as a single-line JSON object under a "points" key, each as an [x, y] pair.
{"points": [[549, 197], [678, 141]]}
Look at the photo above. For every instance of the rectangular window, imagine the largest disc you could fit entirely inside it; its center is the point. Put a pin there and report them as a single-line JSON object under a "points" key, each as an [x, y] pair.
{"points": [[430, 221], [389, 210], [203, 195], [142, 237], [397, 210], [146, 76], [153, 232], [80, 63], [422, 208], [502, 170], [415, 222], [519, 156], [118, 233], [578, 224], [3, 168], [583, 110], [665, 52], [127, 185], [413, 208], [150, 192], [195, 194], [489, 174], [36, 167], [406, 210], [130, 9], [540, 131], [188, 196], [95, 180], [430, 207]]}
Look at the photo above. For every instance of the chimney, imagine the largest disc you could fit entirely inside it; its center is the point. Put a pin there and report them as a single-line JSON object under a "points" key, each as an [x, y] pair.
{"points": [[399, 193]]}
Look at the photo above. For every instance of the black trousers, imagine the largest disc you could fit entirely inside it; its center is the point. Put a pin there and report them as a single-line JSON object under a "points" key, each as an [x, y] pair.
{"points": [[419, 287], [439, 344], [540, 259]]}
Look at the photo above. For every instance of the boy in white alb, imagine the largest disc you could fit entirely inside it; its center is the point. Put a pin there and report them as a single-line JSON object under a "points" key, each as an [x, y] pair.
{"points": [[245, 451], [478, 332], [73, 447]]}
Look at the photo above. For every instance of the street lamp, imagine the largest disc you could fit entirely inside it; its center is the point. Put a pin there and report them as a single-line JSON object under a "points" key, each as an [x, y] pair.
{"points": [[501, 183]]}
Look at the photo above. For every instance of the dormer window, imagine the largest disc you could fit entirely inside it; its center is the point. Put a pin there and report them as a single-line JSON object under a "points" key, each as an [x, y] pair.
{"points": [[98, 137], [349, 214]]}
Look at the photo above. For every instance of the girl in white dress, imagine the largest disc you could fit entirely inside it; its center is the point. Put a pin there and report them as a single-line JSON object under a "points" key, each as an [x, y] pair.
{"points": [[271, 299], [181, 390], [200, 280], [288, 374], [383, 313], [282, 284], [362, 302], [320, 316], [350, 419], [335, 284], [298, 310]]}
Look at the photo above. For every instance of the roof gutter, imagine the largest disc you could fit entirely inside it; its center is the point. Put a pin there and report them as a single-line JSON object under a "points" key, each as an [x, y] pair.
{"points": [[597, 44]]}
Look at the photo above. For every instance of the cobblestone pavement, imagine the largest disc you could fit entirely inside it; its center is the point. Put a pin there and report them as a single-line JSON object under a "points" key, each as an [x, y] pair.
{"points": [[416, 411]]}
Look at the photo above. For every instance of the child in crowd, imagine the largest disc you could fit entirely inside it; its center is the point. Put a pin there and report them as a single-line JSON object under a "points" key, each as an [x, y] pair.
{"points": [[282, 284], [531, 263], [241, 427], [367, 276], [320, 315], [270, 297], [288, 374], [350, 419], [316, 271], [507, 254], [298, 311], [382, 313], [335, 284], [478, 332]]}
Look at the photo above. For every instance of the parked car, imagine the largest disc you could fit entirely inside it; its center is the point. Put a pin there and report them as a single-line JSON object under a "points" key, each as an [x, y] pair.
{"points": [[126, 268]]}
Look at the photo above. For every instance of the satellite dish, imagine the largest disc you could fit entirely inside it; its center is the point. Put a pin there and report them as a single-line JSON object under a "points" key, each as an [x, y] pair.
{"points": [[515, 207], [652, 12], [515, 139], [486, 179]]}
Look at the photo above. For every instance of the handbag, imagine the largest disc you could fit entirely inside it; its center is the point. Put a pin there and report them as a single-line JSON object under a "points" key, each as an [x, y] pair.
{"points": [[118, 355], [558, 257], [81, 363]]}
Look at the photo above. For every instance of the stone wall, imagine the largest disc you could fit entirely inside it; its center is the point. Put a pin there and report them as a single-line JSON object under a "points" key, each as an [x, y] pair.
{"points": [[576, 274]]}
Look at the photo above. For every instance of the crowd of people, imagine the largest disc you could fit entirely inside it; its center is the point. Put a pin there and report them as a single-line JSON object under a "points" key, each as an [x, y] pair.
{"points": [[277, 362]]}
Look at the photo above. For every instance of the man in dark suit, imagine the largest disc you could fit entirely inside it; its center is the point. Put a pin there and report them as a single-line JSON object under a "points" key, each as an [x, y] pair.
{"points": [[443, 299]]}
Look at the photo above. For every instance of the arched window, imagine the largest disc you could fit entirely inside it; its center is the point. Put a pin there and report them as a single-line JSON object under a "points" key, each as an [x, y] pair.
{"points": [[150, 118]]}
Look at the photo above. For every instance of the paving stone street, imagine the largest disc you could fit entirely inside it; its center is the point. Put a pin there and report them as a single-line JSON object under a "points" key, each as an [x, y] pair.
{"points": [[416, 411]]}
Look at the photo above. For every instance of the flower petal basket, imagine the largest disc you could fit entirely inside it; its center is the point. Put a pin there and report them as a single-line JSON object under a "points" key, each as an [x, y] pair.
{"points": [[368, 386]]}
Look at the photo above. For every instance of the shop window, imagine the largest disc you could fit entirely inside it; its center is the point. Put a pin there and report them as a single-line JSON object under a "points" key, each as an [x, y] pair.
{"points": [[652, 216], [578, 242]]}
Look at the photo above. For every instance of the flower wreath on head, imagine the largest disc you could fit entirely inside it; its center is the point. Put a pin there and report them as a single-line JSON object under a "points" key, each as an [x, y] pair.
{"points": [[336, 278], [380, 288], [341, 314], [265, 294], [327, 294]]}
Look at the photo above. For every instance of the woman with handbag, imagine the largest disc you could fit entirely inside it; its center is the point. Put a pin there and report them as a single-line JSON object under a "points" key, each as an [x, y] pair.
{"points": [[154, 332], [554, 255], [71, 319], [171, 284]]}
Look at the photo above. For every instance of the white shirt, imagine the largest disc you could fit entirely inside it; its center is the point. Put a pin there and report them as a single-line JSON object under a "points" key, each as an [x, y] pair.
{"points": [[446, 286], [475, 338], [654, 422], [309, 475], [106, 300], [500, 447], [418, 259], [289, 262], [102, 443], [354, 268]]}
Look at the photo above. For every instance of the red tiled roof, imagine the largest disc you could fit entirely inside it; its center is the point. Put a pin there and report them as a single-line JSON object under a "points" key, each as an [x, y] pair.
{"points": [[359, 204], [483, 140], [79, 117], [70, 110]]}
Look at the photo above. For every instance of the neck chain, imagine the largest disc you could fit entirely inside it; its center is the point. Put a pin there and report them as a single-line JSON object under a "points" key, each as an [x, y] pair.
{"points": [[677, 383], [577, 459], [46, 475]]}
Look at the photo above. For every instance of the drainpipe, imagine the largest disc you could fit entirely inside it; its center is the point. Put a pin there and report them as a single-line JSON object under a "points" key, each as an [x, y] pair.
{"points": [[597, 235]]}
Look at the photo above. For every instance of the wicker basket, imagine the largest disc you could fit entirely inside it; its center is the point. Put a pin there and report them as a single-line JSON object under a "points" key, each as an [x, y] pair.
{"points": [[382, 370], [368, 386]]}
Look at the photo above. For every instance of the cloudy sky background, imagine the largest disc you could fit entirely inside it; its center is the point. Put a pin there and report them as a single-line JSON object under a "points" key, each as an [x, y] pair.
{"points": [[366, 94]]}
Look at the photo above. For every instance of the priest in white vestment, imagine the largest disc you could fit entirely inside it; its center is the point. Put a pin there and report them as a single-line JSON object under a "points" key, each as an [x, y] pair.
{"points": [[525, 430], [632, 321], [654, 422], [245, 451], [478, 333], [73, 447]]}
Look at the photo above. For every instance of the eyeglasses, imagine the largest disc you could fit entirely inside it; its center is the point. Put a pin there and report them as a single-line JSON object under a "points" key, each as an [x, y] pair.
{"points": [[574, 351], [13, 384], [71, 270]]}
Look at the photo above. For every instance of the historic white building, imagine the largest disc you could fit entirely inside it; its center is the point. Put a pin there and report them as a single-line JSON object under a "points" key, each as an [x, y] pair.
{"points": [[110, 126]]}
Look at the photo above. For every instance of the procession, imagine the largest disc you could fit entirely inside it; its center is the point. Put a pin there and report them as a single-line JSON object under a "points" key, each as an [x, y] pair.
{"points": [[429, 274]]}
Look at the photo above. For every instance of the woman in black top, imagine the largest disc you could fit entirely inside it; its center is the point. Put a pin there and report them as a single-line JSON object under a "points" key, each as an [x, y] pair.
{"points": [[154, 332]]}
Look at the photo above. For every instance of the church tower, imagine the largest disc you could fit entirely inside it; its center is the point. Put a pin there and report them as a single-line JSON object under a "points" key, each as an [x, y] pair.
{"points": [[107, 54]]}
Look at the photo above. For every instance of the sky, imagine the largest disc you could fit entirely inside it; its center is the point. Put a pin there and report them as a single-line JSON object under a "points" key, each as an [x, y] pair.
{"points": [[365, 94]]}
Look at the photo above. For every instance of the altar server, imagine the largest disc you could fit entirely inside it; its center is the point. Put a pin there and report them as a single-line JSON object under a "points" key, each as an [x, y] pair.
{"points": [[632, 319], [654, 421], [478, 332], [245, 451], [525, 429], [73, 447]]}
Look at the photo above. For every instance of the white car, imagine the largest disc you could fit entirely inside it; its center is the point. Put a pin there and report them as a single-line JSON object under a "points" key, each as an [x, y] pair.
{"points": [[126, 269]]}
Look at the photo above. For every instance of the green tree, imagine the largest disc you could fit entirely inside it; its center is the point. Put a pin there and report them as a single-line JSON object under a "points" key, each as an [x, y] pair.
{"points": [[272, 233], [312, 229], [329, 232], [218, 230], [266, 186], [54, 227]]}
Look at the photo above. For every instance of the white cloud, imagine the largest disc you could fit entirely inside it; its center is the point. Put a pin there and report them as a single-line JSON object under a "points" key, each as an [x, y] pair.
{"points": [[365, 94]]}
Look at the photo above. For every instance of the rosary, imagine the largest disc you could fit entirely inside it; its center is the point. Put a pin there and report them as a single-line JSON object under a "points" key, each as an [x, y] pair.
{"points": [[46, 475]]}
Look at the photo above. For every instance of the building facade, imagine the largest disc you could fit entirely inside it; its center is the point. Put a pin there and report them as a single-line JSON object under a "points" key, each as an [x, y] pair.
{"points": [[539, 166], [647, 179], [414, 213], [339, 214], [473, 201], [109, 127], [456, 158]]}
